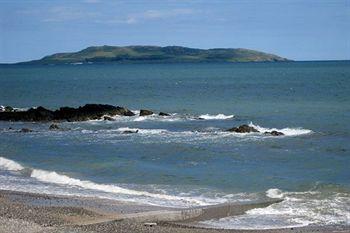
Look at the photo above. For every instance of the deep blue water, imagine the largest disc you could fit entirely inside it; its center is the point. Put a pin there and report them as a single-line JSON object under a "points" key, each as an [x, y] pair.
{"points": [[189, 161]]}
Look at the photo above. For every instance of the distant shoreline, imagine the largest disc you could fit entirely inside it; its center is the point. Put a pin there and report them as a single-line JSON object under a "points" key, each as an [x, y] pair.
{"points": [[170, 63]]}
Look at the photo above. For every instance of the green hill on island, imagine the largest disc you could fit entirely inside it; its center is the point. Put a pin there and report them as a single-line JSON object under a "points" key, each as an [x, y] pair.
{"points": [[157, 54]]}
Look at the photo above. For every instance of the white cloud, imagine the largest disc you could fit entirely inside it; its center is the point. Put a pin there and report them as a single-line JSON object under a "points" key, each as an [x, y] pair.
{"points": [[157, 14], [62, 13]]}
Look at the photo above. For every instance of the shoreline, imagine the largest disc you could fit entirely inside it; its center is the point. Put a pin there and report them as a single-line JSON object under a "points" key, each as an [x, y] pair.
{"points": [[30, 212]]}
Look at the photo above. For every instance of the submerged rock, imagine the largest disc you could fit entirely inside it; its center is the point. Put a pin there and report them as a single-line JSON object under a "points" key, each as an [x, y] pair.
{"points": [[243, 129], [26, 130], [108, 118], [54, 127], [130, 131], [86, 112], [163, 114], [145, 112], [274, 133], [8, 109]]}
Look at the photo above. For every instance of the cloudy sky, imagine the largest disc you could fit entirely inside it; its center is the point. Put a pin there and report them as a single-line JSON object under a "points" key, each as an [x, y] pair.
{"points": [[296, 29]]}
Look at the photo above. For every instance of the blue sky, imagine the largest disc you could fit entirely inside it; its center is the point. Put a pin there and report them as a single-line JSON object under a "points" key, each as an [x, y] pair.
{"points": [[296, 29]]}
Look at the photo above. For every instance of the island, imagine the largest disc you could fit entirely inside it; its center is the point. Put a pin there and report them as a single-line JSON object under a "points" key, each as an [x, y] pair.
{"points": [[157, 54]]}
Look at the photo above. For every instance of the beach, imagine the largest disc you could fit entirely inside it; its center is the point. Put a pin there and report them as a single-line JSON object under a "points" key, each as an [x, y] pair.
{"points": [[27, 212]]}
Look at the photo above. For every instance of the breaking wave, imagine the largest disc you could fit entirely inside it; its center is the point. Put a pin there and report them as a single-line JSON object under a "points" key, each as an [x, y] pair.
{"points": [[10, 165], [215, 117], [285, 131], [315, 207], [146, 197]]}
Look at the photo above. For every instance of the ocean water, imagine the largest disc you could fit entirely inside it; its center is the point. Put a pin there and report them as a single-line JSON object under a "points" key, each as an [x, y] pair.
{"points": [[181, 161]]}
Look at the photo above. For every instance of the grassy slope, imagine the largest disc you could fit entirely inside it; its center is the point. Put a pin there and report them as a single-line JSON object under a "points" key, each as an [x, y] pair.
{"points": [[130, 54]]}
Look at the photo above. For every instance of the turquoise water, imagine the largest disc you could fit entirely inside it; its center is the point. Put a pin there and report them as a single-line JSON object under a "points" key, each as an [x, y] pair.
{"points": [[180, 160]]}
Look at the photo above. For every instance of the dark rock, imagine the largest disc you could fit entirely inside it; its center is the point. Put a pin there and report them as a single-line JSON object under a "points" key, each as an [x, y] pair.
{"points": [[90, 112], [125, 111], [54, 127], [33, 114], [243, 129], [163, 114], [8, 109], [26, 130], [130, 131], [144, 112], [108, 118], [274, 133], [86, 112]]}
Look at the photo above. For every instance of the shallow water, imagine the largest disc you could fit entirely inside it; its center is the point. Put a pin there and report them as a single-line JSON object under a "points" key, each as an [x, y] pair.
{"points": [[180, 160]]}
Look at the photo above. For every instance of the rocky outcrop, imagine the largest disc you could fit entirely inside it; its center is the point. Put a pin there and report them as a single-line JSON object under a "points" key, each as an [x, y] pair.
{"points": [[86, 112], [144, 112], [243, 129], [274, 133], [250, 129], [33, 114]]}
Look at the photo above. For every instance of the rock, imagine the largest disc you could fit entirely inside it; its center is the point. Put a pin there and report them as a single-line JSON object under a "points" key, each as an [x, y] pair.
{"points": [[86, 112], [130, 131], [243, 129], [54, 127], [108, 118], [8, 109], [144, 112], [26, 130], [150, 224], [163, 114], [125, 111], [33, 114], [274, 133]]}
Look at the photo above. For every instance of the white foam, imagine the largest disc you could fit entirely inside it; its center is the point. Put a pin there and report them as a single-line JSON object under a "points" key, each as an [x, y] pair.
{"points": [[285, 131], [143, 131], [296, 210], [10, 165], [216, 117], [274, 193], [172, 117]]}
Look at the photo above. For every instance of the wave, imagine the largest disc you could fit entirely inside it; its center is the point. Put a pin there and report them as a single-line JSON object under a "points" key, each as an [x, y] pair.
{"points": [[298, 209], [285, 131], [215, 117], [10, 165], [142, 131], [189, 136], [2, 109], [53, 177], [173, 117]]}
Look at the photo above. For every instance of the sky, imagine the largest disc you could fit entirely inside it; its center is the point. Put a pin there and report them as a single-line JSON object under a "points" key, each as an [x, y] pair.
{"points": [[295, 29]]}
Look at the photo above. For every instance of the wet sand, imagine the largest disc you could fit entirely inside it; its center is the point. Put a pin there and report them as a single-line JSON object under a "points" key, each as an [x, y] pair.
{"points": [[25, 212]]}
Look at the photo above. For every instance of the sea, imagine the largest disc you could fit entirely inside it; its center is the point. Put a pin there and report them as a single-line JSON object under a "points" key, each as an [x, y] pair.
{"points": [[188, 159]]}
